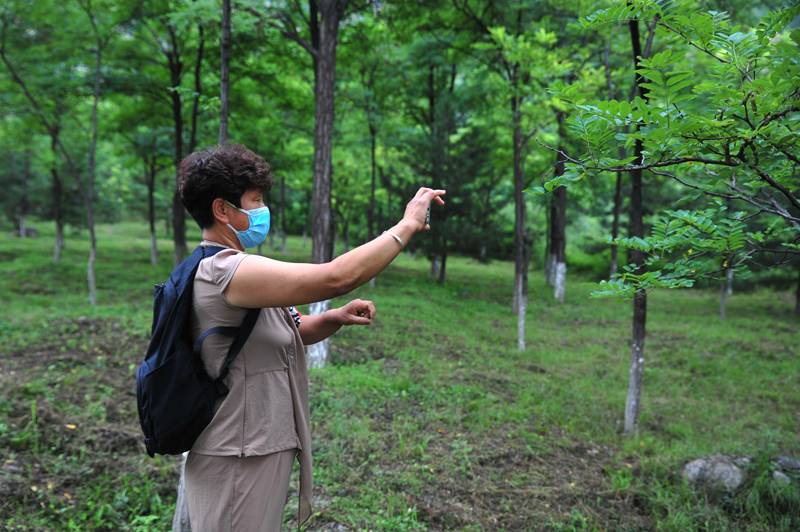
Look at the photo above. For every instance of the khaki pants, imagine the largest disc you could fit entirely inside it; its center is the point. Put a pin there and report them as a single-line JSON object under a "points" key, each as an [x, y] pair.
{"points": [[229, 493]]}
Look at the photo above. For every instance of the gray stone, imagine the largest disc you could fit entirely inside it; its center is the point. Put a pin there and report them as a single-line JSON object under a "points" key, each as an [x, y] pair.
{"points": [[781, 478], [717, 472], [787, 463]]}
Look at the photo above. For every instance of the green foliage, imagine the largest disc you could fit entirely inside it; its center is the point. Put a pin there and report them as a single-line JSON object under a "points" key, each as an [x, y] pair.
{"points": [[683, 246], [717, 113]]}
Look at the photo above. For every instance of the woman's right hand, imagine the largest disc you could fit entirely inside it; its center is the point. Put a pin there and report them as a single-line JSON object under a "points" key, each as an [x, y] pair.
{"points": [[417, 208]]}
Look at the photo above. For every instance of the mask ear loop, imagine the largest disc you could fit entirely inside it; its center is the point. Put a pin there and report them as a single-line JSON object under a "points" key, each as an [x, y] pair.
{"points": [[232, 228]]}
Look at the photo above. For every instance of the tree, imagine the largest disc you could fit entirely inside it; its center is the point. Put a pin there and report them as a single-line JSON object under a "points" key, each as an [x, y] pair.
{"points": [[225, 52], [514, 18], [169, 34], [728, 139], [47, 101]]}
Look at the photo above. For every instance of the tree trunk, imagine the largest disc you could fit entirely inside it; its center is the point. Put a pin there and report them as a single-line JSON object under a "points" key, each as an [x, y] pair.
{"points": [[434, 266], [558, 245], [178, 213], [371, 208], [725, 286], [548, 255], [151, 208], [24, 204], [57, 191], [797, 294], [523, 306], [346, 236], [636, 373], [520, 253], [321, 222], [729, 281], [615, 225], [330, 12], [225, 50], [443, 264], [318, 353], [283, 214], [723, 297], [198, 88], [618, 186], [90, 178]]}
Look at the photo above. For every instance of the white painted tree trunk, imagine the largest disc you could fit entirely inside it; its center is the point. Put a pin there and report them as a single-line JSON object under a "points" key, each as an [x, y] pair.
{"points": [[552, 264], [318, 353], [90, 276], [560, 279], [636, 371], [523, 307], [435, 267], [729, 281], [153, 249], [726, 290], [635, 374], [180, 520]]}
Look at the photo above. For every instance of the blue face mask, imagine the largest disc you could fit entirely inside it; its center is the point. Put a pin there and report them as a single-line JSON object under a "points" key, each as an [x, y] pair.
{"points": [[256, 232]]}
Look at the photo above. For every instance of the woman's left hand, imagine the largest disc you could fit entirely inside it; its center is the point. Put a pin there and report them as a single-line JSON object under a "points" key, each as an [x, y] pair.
{"points": [[356, 312]]}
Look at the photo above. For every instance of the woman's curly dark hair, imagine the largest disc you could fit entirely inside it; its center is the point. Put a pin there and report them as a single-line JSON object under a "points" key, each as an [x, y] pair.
{"points": [[226, 172]]}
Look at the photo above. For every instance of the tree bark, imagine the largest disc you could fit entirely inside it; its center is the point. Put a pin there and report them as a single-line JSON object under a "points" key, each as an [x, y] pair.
{"points": [[58, 193], [615, 225], [618, 185], [90, 178], [150, 168], [520, 254], [371, 209], [330, 13], [178, 213], [283, 214], [225, 50], [558, 223], [797, 294], [198, 87], [24, 203], [443, 264], [321, 223], [636, 257], [549, 267], [318, 353]]}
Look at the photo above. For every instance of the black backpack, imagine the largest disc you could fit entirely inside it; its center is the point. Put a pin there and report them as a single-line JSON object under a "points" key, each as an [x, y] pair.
{"points": [[174, 394]]}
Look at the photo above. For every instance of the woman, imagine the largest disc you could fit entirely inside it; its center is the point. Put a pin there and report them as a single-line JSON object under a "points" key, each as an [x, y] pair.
{"points": [[237, 473]]}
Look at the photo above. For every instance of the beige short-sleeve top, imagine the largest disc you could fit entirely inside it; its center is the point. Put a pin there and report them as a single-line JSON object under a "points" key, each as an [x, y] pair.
{"points": [[266, 409]]}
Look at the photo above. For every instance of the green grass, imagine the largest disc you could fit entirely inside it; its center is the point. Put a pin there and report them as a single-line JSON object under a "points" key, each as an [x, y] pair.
{"points": [[431, 418]]}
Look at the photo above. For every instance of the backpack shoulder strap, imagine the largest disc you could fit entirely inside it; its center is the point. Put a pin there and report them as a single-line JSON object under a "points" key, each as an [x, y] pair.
{"points": [[238, 342]]}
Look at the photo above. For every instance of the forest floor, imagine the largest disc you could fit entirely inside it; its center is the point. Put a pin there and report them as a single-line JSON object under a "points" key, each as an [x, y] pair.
{"points": [[429, 419]]}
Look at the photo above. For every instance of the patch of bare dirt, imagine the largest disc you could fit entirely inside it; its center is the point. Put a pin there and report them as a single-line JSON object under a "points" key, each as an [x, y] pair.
{"points": [[511, 488]]}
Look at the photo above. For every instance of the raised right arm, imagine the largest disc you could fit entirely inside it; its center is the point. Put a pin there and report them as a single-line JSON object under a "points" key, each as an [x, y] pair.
{"points": [[262, 282]]}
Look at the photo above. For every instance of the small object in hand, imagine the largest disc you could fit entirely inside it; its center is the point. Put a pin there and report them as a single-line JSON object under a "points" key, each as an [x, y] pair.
{"points": [[428, 216]]}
